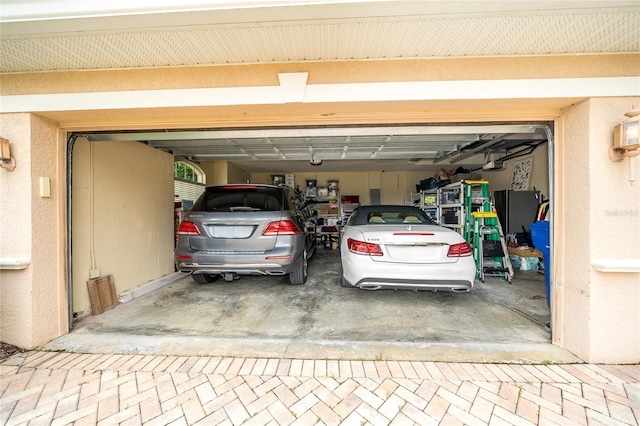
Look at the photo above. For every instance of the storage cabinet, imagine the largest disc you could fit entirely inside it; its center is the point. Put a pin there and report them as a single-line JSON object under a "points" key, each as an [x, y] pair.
{"points": [[516, 209]]}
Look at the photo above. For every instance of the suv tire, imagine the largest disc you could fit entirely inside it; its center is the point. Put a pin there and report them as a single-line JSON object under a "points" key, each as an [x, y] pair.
{"points": [[299, 275], [204, 278]]}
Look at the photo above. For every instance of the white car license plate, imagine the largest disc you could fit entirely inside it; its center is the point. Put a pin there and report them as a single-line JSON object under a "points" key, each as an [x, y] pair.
{"points": [[414, 253]]}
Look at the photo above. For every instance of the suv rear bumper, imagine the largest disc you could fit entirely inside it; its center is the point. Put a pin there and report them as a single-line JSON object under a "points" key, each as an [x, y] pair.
{"points": [[240, 269]]}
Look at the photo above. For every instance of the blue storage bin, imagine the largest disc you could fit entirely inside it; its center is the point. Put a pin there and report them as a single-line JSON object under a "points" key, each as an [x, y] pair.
{"points": [[540, 236]]}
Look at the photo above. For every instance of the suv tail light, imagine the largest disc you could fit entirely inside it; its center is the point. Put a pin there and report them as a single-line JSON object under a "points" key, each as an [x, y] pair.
{"points": [[460, 250], [361, 247], [282, 227], [188, 228]]}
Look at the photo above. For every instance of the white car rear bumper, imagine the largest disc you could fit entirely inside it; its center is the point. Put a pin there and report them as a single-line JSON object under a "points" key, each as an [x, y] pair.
{"points": [[370, 275]]}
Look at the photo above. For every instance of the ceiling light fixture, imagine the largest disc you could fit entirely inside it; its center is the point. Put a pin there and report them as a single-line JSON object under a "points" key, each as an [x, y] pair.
{"points": [[315, 161]]}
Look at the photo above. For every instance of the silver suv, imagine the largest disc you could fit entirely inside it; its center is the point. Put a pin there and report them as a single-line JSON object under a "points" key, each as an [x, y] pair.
{"points": [[246, 229]]}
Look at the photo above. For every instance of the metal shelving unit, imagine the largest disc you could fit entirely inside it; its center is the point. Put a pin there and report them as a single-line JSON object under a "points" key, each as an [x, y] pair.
{"points": [[348, 203], [451, 205], [427, 200]]}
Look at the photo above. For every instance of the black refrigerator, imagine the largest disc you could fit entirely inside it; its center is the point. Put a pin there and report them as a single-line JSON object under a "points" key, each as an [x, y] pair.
{"points": [[516, 209]]}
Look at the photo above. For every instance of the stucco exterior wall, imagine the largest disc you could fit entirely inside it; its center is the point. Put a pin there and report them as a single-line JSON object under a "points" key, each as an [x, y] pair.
{"points": [[122, 215], [31, 227], [597, 313], [414, 111], [322, 72], [597, 217]]}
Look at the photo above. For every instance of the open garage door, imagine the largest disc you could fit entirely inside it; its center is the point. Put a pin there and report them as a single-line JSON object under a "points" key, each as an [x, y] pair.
{"points": [[122, 182], [363, 148]]}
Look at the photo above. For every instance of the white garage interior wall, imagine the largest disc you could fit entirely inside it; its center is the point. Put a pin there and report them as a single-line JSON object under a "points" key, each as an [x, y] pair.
{"points": [[122, 215], [501, 179], [396, 185]]}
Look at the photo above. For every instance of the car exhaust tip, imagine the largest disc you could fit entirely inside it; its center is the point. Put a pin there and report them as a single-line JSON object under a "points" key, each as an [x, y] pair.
{"points": [[371, 287]]}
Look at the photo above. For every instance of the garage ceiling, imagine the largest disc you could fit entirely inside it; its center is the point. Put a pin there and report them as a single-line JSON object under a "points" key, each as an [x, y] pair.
{"points": [[58, 36], [407, 148]]}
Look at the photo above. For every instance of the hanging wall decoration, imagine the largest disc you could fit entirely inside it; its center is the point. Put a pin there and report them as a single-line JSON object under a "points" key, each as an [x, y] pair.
{"points": [[521, 174]]}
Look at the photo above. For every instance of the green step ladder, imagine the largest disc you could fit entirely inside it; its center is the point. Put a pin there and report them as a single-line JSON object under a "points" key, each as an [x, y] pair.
{"points": [[476, 198], [489, 247]]}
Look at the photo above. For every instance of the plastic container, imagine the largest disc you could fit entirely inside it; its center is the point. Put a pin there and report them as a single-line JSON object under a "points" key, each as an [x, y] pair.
{"points": [[524, 263], [540, 236]]}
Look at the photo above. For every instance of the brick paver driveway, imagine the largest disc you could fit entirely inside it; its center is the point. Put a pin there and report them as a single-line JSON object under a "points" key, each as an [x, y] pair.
{"points": [[63, 388]]}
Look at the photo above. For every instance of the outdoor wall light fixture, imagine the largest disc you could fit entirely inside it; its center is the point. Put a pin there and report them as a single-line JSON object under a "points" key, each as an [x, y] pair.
{"points": [[625, 141], [6, 160]]}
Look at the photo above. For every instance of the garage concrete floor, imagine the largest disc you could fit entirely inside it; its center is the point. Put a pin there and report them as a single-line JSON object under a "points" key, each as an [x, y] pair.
{"points": [[269, 318]]}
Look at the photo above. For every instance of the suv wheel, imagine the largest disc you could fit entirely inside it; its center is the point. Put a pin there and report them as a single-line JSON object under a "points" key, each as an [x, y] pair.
{"points": [[299, 275], [204, 278]]}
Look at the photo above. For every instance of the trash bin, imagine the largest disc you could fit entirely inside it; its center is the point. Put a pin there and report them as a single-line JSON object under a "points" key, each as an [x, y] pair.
{"points": [[540, 236]]}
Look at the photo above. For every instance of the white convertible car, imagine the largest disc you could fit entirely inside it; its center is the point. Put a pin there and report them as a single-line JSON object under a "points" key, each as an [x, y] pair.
{"points": [[400, 247]]}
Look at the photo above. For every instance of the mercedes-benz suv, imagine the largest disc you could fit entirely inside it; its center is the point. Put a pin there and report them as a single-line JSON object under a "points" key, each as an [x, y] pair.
{"points": [[246, 229]]}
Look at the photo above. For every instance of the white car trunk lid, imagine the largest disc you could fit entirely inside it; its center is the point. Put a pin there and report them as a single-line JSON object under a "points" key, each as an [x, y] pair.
{"points": [[415, 244]]}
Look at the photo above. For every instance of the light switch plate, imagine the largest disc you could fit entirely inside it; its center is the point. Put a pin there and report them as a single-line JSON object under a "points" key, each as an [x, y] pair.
{"points": [[45, 187]]}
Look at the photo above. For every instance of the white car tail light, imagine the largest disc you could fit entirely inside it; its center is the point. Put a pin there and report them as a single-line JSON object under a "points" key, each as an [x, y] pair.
{"points": [[361, 247], [460, 250]]}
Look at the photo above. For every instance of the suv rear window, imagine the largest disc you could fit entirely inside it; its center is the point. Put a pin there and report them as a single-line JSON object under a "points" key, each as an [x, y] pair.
{"points": [[239, 198]]}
